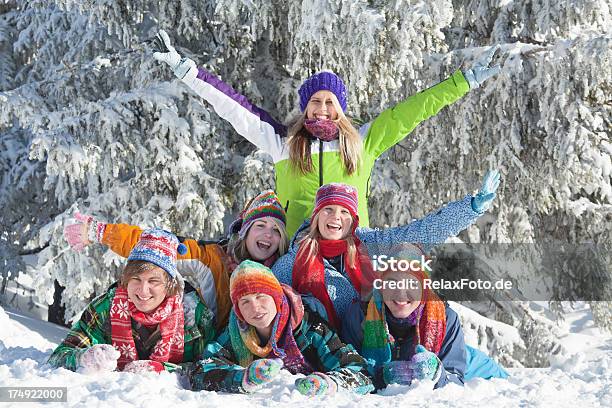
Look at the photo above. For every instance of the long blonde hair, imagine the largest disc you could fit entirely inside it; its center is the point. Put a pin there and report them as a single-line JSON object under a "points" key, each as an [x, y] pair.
{"points": [[238, 249], [299, 141], [311, 243]]}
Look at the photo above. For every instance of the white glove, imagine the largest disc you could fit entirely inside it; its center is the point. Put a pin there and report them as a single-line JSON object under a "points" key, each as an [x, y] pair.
{"points": [[99, 358], [166, 53]]}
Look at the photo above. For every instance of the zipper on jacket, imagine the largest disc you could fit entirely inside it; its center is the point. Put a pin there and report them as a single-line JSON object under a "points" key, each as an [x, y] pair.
{"points": [[320, 162]]}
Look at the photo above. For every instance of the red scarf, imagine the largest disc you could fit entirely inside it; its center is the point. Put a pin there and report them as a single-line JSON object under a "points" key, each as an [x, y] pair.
{"points": [[169, 316], [309, 274]]}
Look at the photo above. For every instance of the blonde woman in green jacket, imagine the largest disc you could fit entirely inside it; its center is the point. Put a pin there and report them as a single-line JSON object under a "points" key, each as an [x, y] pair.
{"points": [[321, 146]]}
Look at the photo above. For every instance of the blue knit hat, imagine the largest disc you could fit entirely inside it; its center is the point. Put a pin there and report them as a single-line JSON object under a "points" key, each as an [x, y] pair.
{"points": [[320, 81], [158, 247]]}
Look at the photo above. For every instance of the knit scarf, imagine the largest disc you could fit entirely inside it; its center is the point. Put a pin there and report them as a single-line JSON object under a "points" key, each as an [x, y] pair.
{"points": [[309, 273], [245, 341], [169, 316], [430, 327], [322, 129]]}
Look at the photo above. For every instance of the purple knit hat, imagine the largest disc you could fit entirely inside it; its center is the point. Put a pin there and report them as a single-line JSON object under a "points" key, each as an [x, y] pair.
{"points": [[320, 81]]}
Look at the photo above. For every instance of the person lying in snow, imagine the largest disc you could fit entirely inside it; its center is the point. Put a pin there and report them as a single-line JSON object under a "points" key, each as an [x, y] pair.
{"points": [[410, 334], [329, 257], [322, 144], [270, 328], [258, 234], [143, 323]]}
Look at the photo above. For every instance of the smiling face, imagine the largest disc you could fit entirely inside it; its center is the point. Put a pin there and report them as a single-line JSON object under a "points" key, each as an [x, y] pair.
{"points": [[401, 302], [148, 289], [322, 105], [334, 222], [258, 310], [263, 239]]}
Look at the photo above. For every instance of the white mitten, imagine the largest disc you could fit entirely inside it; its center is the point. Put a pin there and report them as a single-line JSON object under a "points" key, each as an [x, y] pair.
{"points": [[99, 358]]}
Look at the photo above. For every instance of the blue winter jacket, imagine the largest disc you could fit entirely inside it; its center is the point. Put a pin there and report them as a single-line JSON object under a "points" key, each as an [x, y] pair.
{"points": [[428, 231]]}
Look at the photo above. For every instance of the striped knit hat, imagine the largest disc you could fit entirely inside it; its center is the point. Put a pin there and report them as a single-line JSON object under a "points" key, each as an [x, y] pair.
{"points": [[251, 277], [324, 80], [266, 204], [337, 194], [158, 247]]}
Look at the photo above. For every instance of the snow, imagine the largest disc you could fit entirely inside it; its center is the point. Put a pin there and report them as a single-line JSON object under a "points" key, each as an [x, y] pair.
{"points": [[583, 376]]}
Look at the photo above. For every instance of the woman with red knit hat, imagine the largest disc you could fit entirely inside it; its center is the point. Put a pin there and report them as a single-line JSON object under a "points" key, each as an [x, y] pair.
{"points": [[331, 258], [271, 328], [322, 145]]}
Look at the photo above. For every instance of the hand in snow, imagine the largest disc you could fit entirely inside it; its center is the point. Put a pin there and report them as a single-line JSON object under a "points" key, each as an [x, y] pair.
{"points": [[260, 372], [77, 234], [99, 357], [143, 366], [166, 53], [480, 71], [397, 372], [486, 195], [316, 384], [424, 364]]}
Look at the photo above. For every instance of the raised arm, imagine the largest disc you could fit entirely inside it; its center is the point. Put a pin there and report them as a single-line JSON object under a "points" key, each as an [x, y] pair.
{"points": [[437, 226], [250, 121], [394, 124]]}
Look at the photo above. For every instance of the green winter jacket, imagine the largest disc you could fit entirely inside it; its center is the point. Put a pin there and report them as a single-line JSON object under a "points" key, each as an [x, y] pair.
{"points": [[94, 328], [296, 191]]}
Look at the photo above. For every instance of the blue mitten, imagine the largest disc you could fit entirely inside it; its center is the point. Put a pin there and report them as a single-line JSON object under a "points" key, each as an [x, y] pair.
{"points": [[424, 363], [486, 195], [397, 372], [480, 71], [316, 384], [260, 372]]}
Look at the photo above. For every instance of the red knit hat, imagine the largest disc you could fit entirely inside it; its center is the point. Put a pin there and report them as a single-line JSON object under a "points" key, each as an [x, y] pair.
{"points": [[251, 277], [337, 194]]}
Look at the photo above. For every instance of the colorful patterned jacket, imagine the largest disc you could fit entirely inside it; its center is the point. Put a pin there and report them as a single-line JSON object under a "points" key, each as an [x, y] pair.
{"points": [[94, 328], [297, 191], [320, 346], [203, 266]]}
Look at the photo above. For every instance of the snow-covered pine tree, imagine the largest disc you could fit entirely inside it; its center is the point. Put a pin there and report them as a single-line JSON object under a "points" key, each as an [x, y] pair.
{"points": [[89, 120]]}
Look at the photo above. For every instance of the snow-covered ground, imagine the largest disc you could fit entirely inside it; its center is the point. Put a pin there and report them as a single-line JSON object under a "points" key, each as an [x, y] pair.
{"points": [[583, 377]]}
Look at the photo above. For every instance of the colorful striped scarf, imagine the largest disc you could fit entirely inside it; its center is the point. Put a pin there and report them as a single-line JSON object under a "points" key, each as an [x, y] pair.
{"points": [[430, 327]]}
